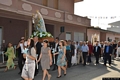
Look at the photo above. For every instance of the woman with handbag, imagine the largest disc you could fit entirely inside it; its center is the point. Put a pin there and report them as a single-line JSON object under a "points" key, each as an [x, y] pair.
{"points": [[11, 56]]}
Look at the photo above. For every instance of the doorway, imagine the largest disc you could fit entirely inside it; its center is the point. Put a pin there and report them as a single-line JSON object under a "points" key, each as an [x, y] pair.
{"points": [[68, 36], [0, 38], [78, 36], [50, 28]]}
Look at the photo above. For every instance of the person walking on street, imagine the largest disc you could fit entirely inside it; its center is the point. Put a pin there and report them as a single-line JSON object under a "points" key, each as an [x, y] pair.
{"points": [[61, 61], [20, 49], [55, 48], [68, 54], [74, 57], [30, 55], [90, 52], [45, 59], [107, 53], [11, 55], [79, 53], [38, 51], [97, 52], [85, 51], [72, 47]]}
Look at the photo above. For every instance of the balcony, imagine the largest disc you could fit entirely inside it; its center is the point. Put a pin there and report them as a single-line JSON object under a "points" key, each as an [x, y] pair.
{"points": [[74, 19], [26, 8]]}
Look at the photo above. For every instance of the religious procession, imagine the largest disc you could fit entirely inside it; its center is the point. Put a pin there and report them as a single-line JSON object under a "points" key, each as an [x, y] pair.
{"points": [[38, 53]]}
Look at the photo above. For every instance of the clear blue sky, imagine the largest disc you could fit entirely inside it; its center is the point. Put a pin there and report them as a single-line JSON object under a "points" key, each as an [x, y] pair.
{"points": [[99, 8]]}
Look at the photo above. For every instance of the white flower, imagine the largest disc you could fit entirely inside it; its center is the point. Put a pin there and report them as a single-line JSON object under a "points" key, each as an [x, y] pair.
{"points": [[49, 35], [31, 36], [34, 34], [41, 35], [37, 34]]}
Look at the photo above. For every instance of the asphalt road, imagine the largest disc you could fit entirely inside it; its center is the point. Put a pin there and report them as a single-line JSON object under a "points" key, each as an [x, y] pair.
{"points": [[89, 72]]}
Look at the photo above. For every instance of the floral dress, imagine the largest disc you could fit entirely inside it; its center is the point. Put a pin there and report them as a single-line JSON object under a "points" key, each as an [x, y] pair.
{"points": [[61, 62]]}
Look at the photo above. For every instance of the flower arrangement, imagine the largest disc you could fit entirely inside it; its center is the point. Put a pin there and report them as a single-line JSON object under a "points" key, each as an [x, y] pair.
{"points": [[41, 34]]}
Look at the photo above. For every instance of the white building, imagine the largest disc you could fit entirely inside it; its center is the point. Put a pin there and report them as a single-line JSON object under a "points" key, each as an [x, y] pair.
{"points": [[115, 26]]}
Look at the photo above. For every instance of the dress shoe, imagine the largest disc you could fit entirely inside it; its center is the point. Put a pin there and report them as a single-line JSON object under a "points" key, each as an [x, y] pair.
{"points": [[53, 69], [19, 73], [65, 74], [59, 76]]}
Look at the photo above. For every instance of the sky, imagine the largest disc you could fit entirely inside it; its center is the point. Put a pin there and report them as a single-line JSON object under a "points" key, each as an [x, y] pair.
{"points": [[99, 8]]}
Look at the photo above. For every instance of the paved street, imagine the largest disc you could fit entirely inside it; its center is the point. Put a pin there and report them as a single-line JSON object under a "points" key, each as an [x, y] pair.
{"points": [[89, 72]]}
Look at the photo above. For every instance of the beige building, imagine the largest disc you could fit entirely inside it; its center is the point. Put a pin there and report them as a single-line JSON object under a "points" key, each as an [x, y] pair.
{"points": [[97, 34], [16, 19]]}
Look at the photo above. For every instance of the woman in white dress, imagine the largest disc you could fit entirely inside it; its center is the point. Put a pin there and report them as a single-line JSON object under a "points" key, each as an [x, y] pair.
{"points": [[118, 51], [30, 56], [74, 57]]}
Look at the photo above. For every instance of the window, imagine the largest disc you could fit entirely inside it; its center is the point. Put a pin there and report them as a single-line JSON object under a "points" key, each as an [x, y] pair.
{"points": [[45, 2], [56, 4], [68, 36]]}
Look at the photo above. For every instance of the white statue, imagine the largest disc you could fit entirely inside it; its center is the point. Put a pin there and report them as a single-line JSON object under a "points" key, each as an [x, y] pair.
{"points": [[38, 22]]}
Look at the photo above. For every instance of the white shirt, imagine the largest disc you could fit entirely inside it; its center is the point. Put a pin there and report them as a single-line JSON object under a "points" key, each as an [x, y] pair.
{"points": [[99, 44], [25, 43], [36, 43], [76, 46], [85, 48], [96, 48], [56, 44], [22, 48]]}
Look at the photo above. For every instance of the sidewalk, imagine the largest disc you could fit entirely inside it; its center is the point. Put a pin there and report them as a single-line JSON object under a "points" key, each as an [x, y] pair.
{"points": [[3, 65]]}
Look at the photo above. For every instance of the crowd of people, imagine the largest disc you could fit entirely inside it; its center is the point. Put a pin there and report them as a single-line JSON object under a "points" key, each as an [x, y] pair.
{"points": [[62, 54]]}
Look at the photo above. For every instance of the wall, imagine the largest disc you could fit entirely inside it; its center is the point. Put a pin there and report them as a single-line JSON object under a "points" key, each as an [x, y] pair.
{"points": [[37, 1], [51, 3], [115, 29], [91, 32], [112, 36], [66, 5], [13, 29], [68, 28], [102, 36]]}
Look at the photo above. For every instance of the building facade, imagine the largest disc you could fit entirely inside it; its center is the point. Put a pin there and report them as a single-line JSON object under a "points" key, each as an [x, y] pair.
{"points": [[16, 19], [115, 26], [97, 34]]}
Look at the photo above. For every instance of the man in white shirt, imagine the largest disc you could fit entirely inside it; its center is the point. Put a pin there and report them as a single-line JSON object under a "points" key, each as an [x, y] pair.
{"points": [[85, 51], [38, 51], [55, 47], [20, 49]]}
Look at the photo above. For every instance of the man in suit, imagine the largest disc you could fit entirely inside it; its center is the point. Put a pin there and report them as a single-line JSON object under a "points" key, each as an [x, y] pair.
{"points": [[55, 47], [114, 48], [107, 52], [20, 48], [97, 52], [72, 51], [38, 51]]}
